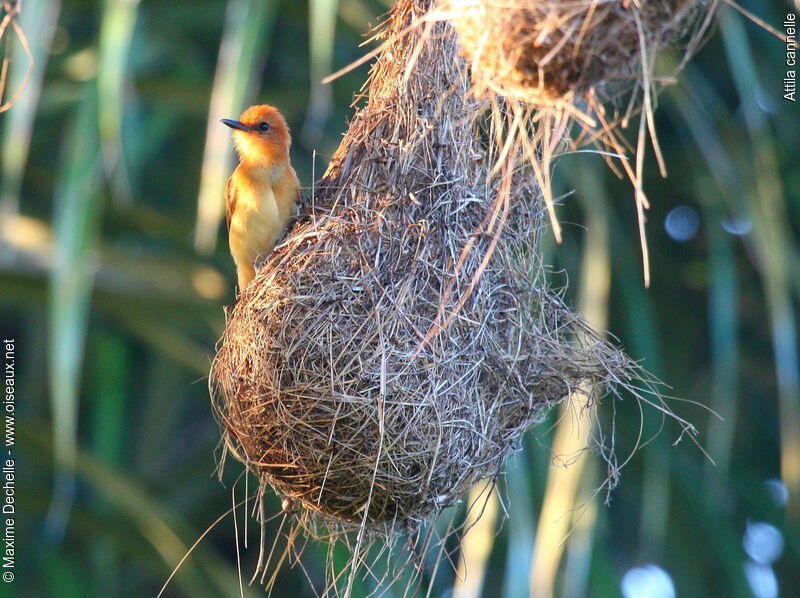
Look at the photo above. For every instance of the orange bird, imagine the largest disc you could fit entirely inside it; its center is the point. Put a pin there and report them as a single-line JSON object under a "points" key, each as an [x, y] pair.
{"points": [[263, 192]]}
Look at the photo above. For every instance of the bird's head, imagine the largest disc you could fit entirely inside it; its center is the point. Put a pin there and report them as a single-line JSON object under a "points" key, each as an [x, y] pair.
{"points": [[261, 135]]}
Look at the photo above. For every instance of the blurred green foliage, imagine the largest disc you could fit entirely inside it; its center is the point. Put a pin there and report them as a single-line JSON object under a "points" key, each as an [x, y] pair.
{"points": [[116, 315]]}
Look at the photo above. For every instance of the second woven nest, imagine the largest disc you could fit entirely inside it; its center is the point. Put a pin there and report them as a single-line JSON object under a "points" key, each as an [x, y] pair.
{"points": [[394, 348], [541, 51]]}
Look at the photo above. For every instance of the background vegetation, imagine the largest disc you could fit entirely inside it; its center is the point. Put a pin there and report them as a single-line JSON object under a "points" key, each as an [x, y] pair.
{"points": [[114, 274]]}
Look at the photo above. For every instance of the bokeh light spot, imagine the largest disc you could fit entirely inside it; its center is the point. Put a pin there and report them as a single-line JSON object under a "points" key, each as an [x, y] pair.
{"points": [[762, 580], [763, 542], [209, 283], [82, 66], [682, 223], [738, 225], [649, 581], [777, 491]]}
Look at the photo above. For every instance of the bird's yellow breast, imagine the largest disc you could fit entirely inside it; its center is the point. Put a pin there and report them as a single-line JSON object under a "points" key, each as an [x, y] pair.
{"points": [[265, 201], [256, 222]]}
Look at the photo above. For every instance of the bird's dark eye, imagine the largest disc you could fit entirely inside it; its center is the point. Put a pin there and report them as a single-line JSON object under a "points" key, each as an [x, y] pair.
{"points": [[263, 127]]}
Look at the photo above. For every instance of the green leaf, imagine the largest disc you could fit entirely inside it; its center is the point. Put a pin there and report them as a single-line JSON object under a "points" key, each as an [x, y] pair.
{"points": [[77, 212]]}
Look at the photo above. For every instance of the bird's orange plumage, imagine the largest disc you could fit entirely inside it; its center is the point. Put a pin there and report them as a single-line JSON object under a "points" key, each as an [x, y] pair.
{"points": [[263, 191]]}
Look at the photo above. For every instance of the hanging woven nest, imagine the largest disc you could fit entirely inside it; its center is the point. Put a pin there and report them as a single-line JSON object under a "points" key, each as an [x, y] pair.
{"points": [[562, 69], [393, 349], [545, 50]]}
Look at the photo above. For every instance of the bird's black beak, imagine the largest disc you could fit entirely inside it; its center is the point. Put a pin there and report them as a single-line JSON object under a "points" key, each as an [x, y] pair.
{"points": [[235, 124]]}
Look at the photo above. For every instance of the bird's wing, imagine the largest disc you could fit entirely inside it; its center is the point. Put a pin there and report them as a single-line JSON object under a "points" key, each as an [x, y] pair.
{"points": [[230, 202]]}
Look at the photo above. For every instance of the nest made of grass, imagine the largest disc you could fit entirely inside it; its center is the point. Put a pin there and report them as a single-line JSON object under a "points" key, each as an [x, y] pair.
{"points": [[541, 51], [567, 74], [393, 349]]}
